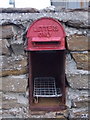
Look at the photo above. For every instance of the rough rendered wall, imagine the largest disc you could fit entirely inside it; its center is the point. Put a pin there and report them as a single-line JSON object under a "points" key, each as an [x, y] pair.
{"points": [[13, 72]]}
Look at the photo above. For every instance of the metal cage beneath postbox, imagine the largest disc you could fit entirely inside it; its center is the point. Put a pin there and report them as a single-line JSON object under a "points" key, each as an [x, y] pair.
{"points": [[46, 59]]}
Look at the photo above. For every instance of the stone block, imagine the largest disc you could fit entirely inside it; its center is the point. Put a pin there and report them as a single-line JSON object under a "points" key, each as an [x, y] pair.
{"points": [[17, 113], [78, 43], [80, 104], [38, 112], [19, 10], [18, 49], [61, 117], [11, 104], [81, 113], [13, 100], [45, 114], [78, 81], [14, 84], [6, 31], [82, 60], [14, 65], [10, 31], [82, 101], [77, 24], [7, 116], [16, 43], [63, 114], [13, 72], [4, 45], [76, 98]]}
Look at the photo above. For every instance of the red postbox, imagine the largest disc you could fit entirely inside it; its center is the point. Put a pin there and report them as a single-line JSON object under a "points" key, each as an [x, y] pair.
{"points": [[46, 53], [46, 34]]}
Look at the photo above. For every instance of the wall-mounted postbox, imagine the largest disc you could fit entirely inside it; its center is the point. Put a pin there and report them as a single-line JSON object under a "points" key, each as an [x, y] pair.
{"points": [[46, 53], [46, 34]]}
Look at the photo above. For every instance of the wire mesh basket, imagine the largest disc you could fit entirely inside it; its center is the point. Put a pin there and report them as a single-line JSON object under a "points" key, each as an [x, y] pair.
{"points": [[46, 87]]}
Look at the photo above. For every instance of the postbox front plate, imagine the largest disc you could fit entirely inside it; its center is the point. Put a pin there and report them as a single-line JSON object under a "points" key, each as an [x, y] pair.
{"points": [[46, 34]]}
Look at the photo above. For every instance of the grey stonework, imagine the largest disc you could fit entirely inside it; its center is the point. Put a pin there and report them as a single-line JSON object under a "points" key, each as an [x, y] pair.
{"points": [[14, 101]]}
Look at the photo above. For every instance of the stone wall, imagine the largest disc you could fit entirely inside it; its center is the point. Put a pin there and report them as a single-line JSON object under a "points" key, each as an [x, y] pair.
{"points": [[13, 59]]}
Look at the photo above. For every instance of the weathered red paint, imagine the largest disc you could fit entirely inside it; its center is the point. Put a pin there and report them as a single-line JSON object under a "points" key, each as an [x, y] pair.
{"points": [[46, 34]]}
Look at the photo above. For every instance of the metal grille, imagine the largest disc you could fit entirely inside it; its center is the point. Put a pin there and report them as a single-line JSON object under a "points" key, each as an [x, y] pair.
{"points": [[46, 87]]}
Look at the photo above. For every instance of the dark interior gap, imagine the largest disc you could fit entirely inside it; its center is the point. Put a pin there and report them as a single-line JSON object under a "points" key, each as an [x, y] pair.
{"points": [[47, 43]]}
